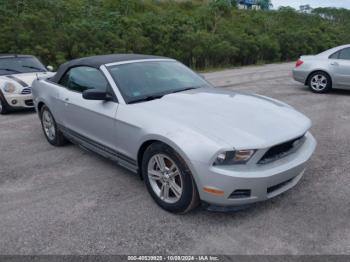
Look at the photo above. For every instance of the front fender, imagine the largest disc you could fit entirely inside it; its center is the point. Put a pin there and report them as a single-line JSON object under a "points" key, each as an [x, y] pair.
{"points": [[189, 145]]}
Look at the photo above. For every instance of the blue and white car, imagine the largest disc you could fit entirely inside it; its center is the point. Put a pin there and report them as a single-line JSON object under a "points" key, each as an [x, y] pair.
{"points": [[17, 73]]}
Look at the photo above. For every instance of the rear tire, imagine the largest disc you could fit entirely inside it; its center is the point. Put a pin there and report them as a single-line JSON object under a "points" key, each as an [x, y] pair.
{"points": [[320, 82], [168, 179], [52, 133]]}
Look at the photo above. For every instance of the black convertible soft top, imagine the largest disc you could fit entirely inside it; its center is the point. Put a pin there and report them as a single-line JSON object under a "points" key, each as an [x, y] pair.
{"points": [[97, 61]]}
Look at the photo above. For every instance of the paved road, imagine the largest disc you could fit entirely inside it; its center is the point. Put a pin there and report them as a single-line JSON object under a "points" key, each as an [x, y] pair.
{"points": [[67, 201]]}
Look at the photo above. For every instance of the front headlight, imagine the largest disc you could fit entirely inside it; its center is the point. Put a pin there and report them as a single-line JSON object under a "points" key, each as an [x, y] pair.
{"points": [[235, 157], [9, 87]]}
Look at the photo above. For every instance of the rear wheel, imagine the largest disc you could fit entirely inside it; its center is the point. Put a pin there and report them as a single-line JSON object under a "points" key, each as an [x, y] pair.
{"points": [[320, 82], [52, 133], [168, 179]]}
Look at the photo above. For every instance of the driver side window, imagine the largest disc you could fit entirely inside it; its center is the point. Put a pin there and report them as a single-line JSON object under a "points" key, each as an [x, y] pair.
{"points": [[81, 78]]}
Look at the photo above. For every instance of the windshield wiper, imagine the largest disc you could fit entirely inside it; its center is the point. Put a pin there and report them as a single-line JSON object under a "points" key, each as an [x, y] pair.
{"points": [[11, 70], [152, 97], [34, 67], [184, 89], [145, 98]]}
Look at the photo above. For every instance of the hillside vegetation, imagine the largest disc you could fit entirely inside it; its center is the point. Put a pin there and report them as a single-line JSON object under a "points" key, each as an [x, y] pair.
{"points": [[202, 34]]}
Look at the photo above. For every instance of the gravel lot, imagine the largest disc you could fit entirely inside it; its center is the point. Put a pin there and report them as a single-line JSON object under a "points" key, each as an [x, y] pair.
{"points": [[68, 201]]}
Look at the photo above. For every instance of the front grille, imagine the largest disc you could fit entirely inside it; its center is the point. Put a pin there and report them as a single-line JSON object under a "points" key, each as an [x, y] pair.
{"points": [[26, 91], [278, 186], [282, 150], [29, 102]]}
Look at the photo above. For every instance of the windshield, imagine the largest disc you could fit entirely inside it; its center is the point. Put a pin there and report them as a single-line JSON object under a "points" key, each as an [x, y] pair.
{"points": [[152, 79], [18, 65]]}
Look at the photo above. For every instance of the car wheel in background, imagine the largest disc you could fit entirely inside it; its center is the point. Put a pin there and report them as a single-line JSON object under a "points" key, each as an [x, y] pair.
{"points": [[3, 106], [320, 82], [168, 179], [53, 135]]}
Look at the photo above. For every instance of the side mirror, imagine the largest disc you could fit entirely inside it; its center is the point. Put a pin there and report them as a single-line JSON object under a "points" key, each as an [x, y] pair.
{"points": [[50, 68], [95, 94]]}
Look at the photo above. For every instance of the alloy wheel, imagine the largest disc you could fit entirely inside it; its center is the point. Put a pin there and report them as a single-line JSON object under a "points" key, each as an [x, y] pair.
{"points": [[165, 179], [49, 125], [319, 82]]}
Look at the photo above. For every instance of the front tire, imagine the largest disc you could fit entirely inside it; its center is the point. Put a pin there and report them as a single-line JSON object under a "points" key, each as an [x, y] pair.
{"points": [[52, 133], [168, 179], [3, 106], [320, 82]]}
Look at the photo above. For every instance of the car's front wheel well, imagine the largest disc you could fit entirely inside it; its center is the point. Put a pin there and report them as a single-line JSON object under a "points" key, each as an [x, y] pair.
{"points": [[40, 105], [316, 71], [141, 152], [167, 177]]}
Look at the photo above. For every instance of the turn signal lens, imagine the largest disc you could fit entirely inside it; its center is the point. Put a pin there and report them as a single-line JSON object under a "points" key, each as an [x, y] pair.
{"points": [[213, 191], [243, 155]]}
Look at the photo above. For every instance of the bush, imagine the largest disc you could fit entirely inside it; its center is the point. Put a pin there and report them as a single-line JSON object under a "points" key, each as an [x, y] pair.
{"points": [[202, 34]]}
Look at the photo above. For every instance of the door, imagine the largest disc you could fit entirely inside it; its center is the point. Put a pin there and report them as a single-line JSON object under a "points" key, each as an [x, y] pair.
{"points": [[340, 66], [93, 121]]}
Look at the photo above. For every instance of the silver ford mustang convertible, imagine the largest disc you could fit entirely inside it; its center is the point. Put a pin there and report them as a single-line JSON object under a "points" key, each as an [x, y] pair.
{"points": [[188, 140]]}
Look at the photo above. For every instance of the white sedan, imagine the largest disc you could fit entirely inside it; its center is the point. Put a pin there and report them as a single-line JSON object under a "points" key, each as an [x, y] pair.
{"points": [[17, 73]]}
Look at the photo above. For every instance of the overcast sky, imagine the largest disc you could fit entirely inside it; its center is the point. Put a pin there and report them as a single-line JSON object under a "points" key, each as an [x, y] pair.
{"points": [[312, 3]]}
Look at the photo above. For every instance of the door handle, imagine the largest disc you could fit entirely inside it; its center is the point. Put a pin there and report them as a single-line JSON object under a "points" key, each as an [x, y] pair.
{"points": [[335, 64]]}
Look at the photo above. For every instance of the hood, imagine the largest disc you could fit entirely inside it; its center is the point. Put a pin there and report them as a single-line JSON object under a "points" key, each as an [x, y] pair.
{"points": [[25, 79], [243, 121]]}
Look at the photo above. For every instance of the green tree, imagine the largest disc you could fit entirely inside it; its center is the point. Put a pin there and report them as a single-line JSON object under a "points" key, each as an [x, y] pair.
{"points": [[265, 4], [200, 33]]}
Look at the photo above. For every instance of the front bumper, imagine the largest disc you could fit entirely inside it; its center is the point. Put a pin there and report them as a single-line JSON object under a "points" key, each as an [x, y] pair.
{"points": [[262, 182], [18, 101]]}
